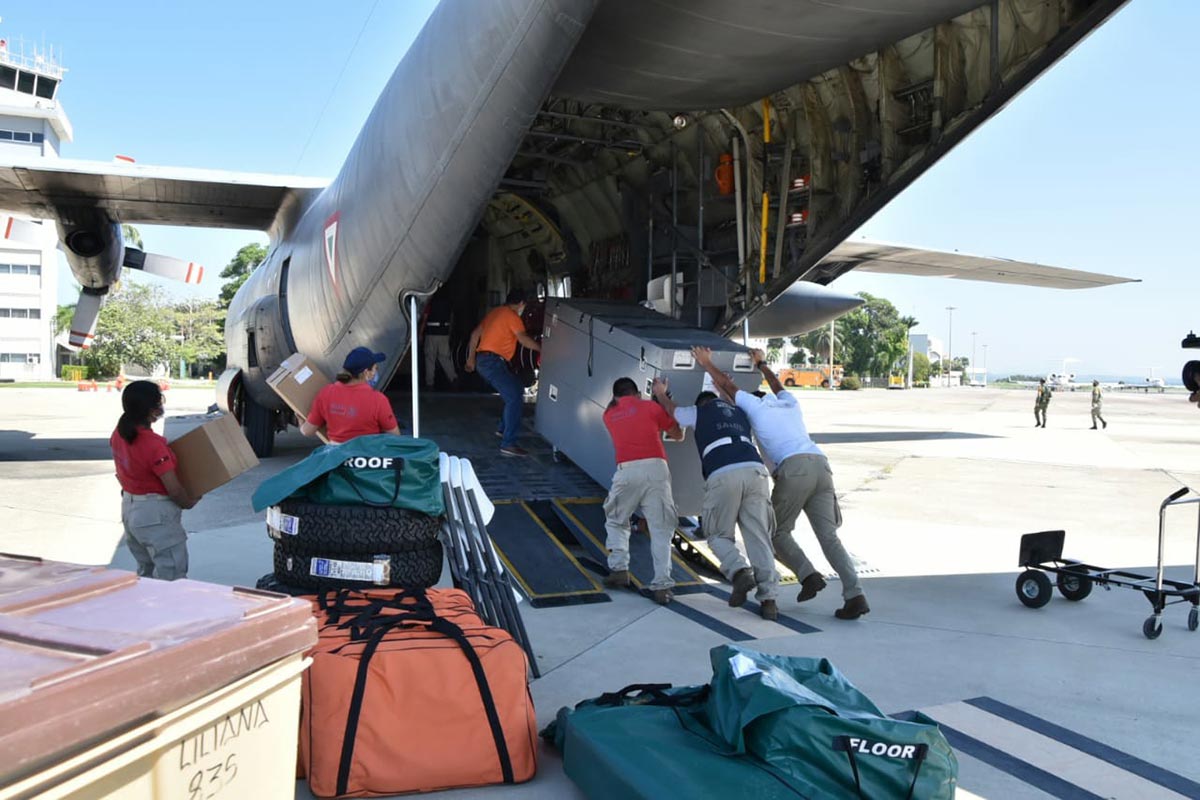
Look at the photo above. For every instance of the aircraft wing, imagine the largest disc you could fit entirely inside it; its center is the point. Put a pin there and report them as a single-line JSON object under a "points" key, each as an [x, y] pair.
{"points": [[899, 260], [133, 193]]}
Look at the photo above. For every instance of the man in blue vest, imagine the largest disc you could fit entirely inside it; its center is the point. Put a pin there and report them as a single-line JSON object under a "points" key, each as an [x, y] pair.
{"points": [[737, 494]]}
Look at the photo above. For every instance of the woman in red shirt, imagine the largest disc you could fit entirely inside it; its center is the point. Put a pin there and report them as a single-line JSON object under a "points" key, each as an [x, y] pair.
{"points": [[152, 499], [351, 407]]}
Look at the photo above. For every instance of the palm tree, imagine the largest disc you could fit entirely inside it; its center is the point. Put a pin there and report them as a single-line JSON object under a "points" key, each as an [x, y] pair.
{"points": [[817, 344], [62, 318]]}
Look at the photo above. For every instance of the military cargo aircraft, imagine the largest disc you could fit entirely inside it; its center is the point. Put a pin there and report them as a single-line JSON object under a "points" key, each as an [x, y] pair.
{"points": [[706, 157]]}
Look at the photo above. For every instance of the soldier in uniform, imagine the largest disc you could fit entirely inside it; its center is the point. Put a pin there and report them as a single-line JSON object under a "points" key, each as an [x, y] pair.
{"points": [[1096, 403], [1040, 404]]}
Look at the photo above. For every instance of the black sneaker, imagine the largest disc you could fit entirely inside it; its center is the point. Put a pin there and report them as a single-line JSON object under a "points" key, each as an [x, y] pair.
{"points": [[769, 610], [743, 582], [810, 586], [513, 450], [663, 596], [854, 608], [617, 579]]}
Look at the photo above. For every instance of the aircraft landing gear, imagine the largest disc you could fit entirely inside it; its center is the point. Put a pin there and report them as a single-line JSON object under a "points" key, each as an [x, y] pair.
{"points": [[259, 423]]}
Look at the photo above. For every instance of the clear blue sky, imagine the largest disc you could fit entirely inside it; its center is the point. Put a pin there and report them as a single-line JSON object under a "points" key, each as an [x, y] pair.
{"points": [[1091, 168]]}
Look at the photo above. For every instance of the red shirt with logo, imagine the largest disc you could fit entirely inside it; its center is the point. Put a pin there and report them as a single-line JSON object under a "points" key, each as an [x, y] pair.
{"points": [[142, 462], [636, 428], [348, 411]]}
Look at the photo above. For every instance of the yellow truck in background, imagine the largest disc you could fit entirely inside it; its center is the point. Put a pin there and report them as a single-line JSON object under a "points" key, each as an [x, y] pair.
{"points": [[811, 376]]}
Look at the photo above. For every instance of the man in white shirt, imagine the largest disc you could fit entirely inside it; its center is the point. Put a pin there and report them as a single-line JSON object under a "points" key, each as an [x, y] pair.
{"points": [[803, 482]]}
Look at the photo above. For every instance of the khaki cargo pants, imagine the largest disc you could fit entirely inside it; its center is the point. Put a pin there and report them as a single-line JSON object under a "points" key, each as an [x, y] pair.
{"points": [[642, 486], [805, 483], [155, 536], [741, 499]]}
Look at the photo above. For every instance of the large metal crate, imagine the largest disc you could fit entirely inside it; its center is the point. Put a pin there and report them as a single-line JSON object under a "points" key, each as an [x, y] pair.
{"points": [[587, 345]]}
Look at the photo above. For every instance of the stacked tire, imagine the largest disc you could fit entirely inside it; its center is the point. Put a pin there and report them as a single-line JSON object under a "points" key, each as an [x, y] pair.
{"points": [[400, 545]]}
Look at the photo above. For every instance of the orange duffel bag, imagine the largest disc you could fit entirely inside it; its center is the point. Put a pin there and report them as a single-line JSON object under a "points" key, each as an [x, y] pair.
{"points": [[410, 691]]}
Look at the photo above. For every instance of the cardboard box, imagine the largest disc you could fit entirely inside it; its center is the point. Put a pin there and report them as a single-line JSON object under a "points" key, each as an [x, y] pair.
{"points": [[212, 455], [297, 382]]}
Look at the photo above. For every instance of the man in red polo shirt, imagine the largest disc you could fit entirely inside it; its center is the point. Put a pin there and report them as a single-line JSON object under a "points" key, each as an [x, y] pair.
{"points": [[642, 483]]}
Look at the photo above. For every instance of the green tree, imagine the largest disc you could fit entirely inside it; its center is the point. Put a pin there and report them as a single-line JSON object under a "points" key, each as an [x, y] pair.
{"points": [[238, 270], [62, 318], [875, 337], [774, 350], [816, 345], [920, 368], [136, 326], [132, 236], [201, 334]]}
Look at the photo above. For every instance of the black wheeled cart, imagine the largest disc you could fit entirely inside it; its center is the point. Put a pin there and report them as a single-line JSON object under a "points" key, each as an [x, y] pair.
{"points": [[1041, 553]]}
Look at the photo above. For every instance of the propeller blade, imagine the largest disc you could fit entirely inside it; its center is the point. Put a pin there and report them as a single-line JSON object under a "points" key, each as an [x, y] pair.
{"points": [[20, 230], [164, 266], [83, 324]]}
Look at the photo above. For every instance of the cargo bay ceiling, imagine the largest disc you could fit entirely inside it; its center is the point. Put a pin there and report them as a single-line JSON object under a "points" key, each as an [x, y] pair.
{"points": [[860, 97]]}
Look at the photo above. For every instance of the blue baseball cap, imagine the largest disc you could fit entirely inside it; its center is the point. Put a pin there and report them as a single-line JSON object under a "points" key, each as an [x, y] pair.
{"points": [[361, 358]]}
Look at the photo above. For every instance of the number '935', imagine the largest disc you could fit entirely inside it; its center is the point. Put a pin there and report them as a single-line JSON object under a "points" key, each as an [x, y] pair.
{"points": [[209, 782]]}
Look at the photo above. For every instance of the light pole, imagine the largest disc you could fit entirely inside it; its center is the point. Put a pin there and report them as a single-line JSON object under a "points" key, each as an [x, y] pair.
{"points": [[950, 344], [985, 372], [973, 358]]}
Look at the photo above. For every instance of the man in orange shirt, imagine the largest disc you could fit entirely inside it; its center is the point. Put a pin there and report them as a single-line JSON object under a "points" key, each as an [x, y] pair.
{"points": [[493, 344]]}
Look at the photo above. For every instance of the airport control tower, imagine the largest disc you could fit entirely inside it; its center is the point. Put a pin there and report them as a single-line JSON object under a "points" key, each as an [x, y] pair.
{"points": [[33, 125]]}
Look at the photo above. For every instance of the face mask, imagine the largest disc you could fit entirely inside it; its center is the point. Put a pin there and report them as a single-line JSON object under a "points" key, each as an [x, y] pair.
{"points": [[373, 380]]}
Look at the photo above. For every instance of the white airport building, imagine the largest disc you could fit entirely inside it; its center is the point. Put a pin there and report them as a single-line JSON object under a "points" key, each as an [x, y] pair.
{"points": [[32, 125]]}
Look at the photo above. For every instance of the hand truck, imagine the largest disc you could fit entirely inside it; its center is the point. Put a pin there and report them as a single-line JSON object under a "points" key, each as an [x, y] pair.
{"points": [[1041, 553]]}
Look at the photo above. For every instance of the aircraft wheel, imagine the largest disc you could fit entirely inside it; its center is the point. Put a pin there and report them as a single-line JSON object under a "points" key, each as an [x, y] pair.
{"points": [[259, 423], [355, 529], [413, 569], [1033, 588], [1194, 618], [1074, 584], [1152, 627]]}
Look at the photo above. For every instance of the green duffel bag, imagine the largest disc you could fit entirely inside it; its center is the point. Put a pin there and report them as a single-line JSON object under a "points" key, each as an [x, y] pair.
{"points": [[650, 742], [807, 722], [767, 726], [383, 470]]}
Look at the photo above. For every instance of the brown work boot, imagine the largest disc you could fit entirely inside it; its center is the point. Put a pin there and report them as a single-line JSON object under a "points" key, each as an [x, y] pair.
{"points": [[743, 582], [769, 610], [617, 579], [855, 607], [663, 596], [810, 586]]}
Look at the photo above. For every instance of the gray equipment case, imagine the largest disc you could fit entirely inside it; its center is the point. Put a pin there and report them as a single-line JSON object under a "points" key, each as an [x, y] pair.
{"points": [[588, 344]]}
